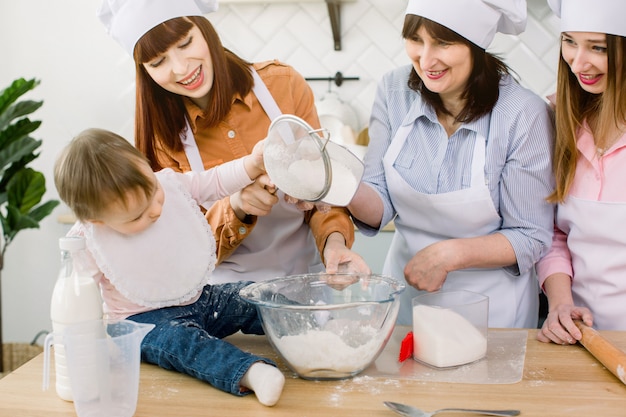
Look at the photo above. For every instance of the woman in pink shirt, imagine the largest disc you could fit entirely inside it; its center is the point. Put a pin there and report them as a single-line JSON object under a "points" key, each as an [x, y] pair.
{"points": [[584, 274]]}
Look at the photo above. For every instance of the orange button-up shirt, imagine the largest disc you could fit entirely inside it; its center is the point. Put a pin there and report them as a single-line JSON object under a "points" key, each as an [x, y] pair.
{"points": [[246, 124]]}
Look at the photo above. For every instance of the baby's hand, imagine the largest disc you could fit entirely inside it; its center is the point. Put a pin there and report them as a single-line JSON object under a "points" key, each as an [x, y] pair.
{"points": [[254, 162], [303, 205], [300, 204]]}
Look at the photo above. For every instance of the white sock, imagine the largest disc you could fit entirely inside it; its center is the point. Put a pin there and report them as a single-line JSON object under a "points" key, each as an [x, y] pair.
{"points": [[266, 381]]}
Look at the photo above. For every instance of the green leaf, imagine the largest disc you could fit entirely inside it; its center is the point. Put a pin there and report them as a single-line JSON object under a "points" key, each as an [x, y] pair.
{"points": [[16, 221], [25, 222], [41, 212], [18, 110], [18, 130], [15, 168], [17, 89], [6, 230], [21, 187], [17, 150], [26, 189]]}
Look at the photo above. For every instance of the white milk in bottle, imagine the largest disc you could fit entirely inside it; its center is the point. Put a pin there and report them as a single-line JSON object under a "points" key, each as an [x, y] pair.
{"points": [[75, 298]]}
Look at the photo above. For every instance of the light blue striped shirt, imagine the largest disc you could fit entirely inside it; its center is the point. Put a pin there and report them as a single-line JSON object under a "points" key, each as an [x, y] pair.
{"points": [[519, 140]]}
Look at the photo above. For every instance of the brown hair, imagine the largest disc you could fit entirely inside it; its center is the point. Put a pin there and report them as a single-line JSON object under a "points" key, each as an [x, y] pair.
{"points": [[605, 113], [98, 168], [160, 114], [482, 90]]}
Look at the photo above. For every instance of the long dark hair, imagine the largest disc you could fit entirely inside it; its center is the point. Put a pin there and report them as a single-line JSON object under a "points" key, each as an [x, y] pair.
{"points": [[160, 114], [482, 90]]}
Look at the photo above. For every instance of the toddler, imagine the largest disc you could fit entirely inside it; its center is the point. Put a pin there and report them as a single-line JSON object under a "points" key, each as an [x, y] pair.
{"points": [[151, 251]]}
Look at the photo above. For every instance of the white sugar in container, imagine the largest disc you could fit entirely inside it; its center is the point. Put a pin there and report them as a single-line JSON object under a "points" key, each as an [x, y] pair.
{"points": [[450, 328]]}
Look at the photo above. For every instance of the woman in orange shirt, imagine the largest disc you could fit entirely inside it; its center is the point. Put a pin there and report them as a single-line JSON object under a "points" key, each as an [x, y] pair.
{"points": [[200, 105]]}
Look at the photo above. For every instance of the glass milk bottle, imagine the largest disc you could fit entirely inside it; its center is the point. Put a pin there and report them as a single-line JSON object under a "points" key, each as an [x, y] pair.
{"points": [[75, 298]]}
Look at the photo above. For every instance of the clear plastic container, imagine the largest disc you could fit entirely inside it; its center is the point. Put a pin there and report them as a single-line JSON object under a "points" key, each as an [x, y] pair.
{"points": [[75, 299], [450, 327]]}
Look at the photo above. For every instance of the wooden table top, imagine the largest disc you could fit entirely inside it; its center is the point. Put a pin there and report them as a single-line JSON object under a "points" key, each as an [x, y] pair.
{"points": [[557, 381]]}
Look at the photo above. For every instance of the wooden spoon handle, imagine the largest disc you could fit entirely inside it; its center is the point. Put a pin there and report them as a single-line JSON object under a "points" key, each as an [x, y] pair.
{"points": [[603, 350]]}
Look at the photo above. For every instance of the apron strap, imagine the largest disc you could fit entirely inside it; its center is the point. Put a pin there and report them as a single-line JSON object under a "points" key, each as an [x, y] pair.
{"points": [[264, 96], [267, 102], [191, 148]]}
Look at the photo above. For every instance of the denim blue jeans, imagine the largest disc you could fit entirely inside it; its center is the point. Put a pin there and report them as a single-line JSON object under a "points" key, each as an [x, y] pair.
{"points": [[188, 338]]}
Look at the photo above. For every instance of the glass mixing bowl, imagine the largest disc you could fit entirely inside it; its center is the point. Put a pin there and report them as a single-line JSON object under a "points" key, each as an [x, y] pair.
{"points": [[327, 326]]}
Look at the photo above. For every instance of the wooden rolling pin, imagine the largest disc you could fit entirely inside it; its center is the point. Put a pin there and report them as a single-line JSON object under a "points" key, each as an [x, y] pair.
{"points": [[604, 351]]}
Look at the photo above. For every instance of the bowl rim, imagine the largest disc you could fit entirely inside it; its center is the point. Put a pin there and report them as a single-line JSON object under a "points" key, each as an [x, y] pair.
{"points": [[246, 292]]}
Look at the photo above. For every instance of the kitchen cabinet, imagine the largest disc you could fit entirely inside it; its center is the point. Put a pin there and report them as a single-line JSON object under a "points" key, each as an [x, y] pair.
{"points": [[334, 13]]}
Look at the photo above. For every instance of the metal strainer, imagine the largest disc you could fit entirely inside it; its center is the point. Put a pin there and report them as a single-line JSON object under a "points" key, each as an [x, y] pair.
{"points": [[303, 163]]}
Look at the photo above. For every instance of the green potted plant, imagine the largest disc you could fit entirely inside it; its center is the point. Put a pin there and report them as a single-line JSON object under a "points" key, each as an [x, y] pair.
{"points": [[21, 187]]}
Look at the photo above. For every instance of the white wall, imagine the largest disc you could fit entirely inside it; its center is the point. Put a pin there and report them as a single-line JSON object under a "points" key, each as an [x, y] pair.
{"points": [[87, 81]]}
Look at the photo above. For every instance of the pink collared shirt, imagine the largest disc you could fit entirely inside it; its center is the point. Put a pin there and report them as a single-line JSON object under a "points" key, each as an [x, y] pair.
{"points": [[598, 179]]}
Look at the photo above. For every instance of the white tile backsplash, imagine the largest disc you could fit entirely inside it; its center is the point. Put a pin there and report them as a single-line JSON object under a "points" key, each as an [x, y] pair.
{"points": [[537, 38], [531, 69], [300, 34]]}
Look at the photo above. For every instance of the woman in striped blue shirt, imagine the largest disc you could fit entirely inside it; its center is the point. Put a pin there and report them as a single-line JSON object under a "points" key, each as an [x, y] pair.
{"points": [[460, 159]]}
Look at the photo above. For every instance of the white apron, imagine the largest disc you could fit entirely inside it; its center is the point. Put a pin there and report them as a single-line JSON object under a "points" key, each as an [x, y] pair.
{"points": [[597, 243], [423, 219], [281, 243]]}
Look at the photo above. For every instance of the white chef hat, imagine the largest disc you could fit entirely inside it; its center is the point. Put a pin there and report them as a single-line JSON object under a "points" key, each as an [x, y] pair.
{"points": [[603, 16], [475, 20], [128, 20]]}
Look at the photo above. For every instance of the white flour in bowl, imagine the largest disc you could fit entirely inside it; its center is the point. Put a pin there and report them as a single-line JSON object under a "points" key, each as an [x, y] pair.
{"points": [[302, 174], [307, 177], [325, 350], [444, 338], [343, 186]]}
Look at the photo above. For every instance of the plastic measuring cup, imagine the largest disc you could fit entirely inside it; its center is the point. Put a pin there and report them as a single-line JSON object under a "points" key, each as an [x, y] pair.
{"points": [[103, 363]]}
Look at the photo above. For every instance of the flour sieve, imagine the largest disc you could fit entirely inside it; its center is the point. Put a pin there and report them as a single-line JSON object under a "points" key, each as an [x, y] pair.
{"points": [[303, 163]]}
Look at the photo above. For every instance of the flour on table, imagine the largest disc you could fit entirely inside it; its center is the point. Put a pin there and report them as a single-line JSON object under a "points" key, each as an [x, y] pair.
{"points": [[444, 338]]}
